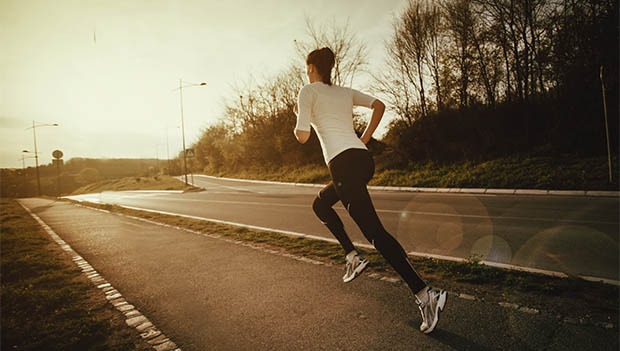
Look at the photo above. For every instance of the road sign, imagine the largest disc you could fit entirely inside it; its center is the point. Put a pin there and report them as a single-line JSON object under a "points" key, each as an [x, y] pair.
{"points": [[57, 162], [57, 154], [189, 153]]}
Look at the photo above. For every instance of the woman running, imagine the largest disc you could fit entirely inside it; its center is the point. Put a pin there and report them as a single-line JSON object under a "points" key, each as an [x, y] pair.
{"points": [[329, 110]]}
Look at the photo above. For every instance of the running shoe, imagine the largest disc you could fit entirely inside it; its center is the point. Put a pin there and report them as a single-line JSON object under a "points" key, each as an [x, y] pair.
{"points": [[431, 309], [354, 267]]}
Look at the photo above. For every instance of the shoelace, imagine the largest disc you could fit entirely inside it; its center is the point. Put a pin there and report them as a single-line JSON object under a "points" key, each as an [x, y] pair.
{"points": [[350, 267]]}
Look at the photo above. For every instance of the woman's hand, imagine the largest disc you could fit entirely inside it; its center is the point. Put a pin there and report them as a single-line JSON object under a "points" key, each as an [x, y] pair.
{"points": [[378, 108]]}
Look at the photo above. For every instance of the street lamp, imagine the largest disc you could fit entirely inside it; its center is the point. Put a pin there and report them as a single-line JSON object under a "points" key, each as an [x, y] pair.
{"points": [[24, 157], [36, 154], [24, 169], [180, 89]]}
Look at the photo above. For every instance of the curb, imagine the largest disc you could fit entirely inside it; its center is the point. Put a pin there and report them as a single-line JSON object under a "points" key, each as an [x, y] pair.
{"points": [[133, 317], [479, 191]]}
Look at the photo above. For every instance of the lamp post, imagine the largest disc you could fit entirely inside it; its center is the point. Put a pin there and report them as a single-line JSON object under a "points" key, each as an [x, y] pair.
{"points": [[36, 153], [24, 169], [606, 124], [180, 88]]}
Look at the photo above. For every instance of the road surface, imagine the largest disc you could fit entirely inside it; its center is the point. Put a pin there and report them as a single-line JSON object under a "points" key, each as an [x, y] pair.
{"points": [[207, 293], [576, 235]]}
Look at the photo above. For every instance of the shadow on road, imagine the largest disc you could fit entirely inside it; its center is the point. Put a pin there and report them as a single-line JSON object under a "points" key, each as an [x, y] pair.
{"points": [[454, 341], [457, 342]]}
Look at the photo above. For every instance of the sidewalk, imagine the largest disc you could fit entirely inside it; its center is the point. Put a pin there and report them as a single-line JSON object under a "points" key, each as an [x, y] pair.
{"points": [[205, 292]]}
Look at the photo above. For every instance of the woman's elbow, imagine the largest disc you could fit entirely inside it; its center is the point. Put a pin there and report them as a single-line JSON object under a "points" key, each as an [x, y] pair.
{"points": [[378, 105], [302, 136]]}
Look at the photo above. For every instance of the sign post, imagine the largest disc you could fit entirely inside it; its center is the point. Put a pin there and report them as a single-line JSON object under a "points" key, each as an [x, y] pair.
{"points": [[57, 154], [191, 154]]}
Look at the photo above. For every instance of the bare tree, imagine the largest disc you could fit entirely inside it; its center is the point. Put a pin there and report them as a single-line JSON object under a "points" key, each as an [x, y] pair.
{"points": [[487, 55], [435, 39], [459, 24], [413, 35], [351, 55], [395, 83], [413, 54]]}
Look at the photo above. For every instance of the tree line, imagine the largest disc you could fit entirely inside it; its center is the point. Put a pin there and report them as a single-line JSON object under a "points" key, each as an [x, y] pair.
{"points": [[467, 80], [78, 172]]}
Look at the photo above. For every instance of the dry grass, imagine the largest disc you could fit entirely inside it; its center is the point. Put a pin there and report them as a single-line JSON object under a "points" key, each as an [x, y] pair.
{"points": [[47, 304], [161, 182]]}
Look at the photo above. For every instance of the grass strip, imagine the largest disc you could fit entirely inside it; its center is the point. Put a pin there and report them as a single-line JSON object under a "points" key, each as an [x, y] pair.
{"points": [[47, 303], [544, 172], [160, 182], [564, 297]]}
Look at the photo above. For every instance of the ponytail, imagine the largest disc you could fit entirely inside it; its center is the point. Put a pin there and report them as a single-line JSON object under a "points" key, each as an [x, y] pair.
{"points": [[324, 60]]}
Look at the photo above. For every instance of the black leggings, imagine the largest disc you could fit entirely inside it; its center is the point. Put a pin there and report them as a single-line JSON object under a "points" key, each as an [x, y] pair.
{"points": [[350, 171]]}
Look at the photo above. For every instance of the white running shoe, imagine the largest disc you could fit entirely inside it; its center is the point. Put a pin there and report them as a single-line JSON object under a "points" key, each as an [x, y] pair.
{"points": [[431, 309], [354, 267]]}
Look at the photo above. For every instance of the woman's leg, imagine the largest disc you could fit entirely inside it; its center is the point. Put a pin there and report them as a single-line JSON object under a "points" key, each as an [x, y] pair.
{"points": [[322, 207], [363, 213], [350, 173]]}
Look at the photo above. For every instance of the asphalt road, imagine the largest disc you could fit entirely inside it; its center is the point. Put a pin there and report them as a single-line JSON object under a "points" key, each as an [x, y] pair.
{"points": [[576, 235], [206, 293]]}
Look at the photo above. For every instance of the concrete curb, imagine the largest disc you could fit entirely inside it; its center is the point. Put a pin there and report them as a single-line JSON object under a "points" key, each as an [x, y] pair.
{"points": [[133, 317], [479, 191]]}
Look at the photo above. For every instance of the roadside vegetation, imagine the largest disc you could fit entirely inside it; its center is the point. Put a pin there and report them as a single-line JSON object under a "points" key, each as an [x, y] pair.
{"points": [[161, 182], [482, 94], [47, 303], [516, 172], [564, 298]]}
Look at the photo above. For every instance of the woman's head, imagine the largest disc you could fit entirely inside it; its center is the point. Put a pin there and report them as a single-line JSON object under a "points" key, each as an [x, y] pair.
{"points": [[323, 61]]}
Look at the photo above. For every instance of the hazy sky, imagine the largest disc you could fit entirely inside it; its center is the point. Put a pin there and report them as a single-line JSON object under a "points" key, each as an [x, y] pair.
{"points": [[105, 70]]}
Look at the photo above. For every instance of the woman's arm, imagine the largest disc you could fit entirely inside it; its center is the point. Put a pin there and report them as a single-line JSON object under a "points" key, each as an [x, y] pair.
{"points": [[304, 104], [378, 108]]}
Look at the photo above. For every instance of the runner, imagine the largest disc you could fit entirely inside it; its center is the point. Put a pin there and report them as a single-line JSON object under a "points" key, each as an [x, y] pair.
{"points": [[329, 110]]}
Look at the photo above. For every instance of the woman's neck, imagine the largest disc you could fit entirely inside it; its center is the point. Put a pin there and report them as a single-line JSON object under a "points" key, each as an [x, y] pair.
{"points": [[315, 78]]}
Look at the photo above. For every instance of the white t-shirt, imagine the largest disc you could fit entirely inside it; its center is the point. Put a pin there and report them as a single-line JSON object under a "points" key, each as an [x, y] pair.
{"points": [[329, 110]]}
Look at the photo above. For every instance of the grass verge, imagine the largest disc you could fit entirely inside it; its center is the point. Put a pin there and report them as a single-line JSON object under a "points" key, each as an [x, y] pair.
{"points": [[516, 172], [47, 304], [565, 298], [161, 182]]}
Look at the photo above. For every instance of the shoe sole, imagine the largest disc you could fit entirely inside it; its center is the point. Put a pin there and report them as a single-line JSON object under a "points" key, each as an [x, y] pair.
{"points": [[357, 271], [441, 302]]}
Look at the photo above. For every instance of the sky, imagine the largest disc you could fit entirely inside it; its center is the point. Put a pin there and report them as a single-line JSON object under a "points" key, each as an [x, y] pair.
{"points": [[106, 71]]}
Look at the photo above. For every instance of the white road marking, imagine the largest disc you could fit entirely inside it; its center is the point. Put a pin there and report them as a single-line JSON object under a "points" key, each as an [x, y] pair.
{"points": [[228, 187], [423, 213]]}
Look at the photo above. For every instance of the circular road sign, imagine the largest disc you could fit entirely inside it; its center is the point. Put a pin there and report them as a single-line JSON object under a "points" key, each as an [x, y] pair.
{"points": [[57, 154]]}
